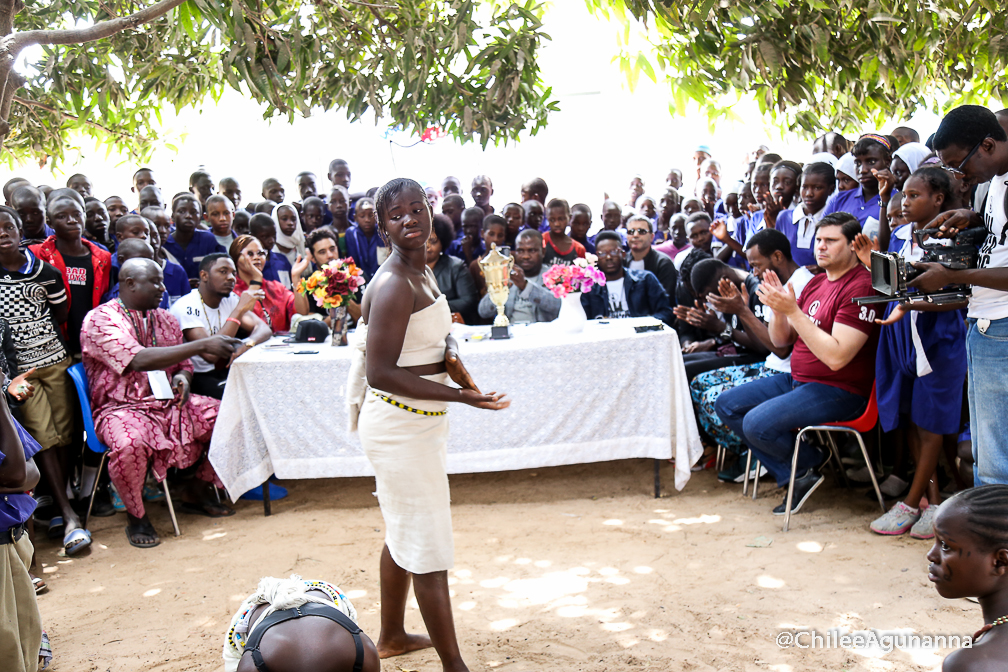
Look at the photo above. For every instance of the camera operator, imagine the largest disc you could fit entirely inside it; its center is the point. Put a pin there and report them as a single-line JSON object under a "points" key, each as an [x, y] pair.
{"points": [[974, 147]]}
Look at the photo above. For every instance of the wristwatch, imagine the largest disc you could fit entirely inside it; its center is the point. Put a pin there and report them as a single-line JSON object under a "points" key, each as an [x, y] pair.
{"points": [[727, 333]]}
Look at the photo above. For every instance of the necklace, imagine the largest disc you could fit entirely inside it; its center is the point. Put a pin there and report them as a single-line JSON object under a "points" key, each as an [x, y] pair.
{"points": [[206, 316], [151, 331], [988, 626]]}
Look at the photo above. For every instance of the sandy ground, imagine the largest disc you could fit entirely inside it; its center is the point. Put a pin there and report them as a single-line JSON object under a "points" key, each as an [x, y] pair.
{"points": [[569, 568]]}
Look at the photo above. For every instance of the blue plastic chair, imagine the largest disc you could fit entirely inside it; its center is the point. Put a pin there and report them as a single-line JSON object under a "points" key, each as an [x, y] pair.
{"points": [[79, 377]]}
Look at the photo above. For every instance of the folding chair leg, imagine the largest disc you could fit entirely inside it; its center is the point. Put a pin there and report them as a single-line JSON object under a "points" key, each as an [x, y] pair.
{"points": [[745, 477], [216, 493], [267, 508], [171, 508], [871, 472], [790, 487], [94, 490], [755, 483], [719, 459]]}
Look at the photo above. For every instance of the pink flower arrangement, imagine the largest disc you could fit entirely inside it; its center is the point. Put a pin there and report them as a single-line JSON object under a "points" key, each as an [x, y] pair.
{"points": [[332, 284], [579, 277]]}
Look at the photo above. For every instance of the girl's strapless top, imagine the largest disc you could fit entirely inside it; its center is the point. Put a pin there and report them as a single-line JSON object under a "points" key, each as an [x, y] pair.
{"points": [[424, 343]]}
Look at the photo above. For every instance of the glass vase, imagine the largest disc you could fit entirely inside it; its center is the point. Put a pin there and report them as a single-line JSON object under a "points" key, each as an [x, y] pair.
{"points": [[339, 319]]}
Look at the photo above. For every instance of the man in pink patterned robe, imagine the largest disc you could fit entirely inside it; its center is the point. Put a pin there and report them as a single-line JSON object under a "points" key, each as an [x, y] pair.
{"points": [[128, 343]]}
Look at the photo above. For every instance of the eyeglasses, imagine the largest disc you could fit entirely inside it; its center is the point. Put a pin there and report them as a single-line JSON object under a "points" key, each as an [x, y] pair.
{"points": [[612, 254], [959, 171], [638, 232]]}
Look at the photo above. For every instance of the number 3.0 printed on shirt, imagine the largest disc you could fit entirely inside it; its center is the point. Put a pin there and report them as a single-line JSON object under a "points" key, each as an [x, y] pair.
{"points": [[866, 314]]}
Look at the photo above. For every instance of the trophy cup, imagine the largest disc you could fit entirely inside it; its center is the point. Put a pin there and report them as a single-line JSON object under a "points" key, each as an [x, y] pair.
{"points": [[496, 267]]}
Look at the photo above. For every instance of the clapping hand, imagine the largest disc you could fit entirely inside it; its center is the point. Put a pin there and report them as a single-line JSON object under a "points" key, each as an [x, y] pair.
{"points": [[729, 300], [886, 182], [771, 208], [780, 299], [700, 317], [301, 265], [863, 246], [719, 230]]}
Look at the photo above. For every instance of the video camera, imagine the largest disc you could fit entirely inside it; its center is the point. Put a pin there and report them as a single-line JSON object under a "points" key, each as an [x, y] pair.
{"points": [[890, 272]]}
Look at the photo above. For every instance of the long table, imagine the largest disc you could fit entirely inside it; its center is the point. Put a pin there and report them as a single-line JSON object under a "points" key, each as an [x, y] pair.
{"points": [[607, 393]]}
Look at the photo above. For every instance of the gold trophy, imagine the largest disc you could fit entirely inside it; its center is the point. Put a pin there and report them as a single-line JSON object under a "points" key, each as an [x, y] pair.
{"points": [[496, 267]]}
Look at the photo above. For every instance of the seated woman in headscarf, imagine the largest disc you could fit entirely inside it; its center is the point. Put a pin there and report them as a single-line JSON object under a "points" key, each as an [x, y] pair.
{"points": [[280, 303], [290, 239], [291, 625]]}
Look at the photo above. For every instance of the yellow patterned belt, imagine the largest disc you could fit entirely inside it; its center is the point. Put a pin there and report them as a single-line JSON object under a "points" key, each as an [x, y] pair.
{"points": [[407, 408]]}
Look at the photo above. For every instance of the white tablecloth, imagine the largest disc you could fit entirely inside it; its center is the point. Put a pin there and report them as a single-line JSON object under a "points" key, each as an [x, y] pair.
{"points": [[608, 393]]}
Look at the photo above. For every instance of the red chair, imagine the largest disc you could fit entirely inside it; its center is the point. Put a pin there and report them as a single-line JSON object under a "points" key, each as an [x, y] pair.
{"points": [[864, 424]]}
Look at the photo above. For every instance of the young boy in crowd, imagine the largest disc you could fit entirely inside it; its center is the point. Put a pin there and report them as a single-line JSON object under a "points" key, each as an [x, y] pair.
{"points": [[272, 190], [187, 244], [559, 247], [494, 232], [514, 215], [176, 281], [220, 216], [452, 207], [31, 208], [116, 208], [96, 223], [470, 245], [581, 217], [277, 266], [229, 187], [535, 216], [151, 197], [240, 224], [312, 214], [142, 178], [362, 239]]}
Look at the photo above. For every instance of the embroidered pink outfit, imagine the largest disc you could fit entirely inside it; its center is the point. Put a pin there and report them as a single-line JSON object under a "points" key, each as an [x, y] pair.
{"points": [[139, 429]]}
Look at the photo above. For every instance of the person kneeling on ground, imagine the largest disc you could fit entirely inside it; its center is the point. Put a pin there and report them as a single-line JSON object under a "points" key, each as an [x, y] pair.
{"points": [[528, 299], [272, 628], [139, 377], [628, 292], [832, 363]]}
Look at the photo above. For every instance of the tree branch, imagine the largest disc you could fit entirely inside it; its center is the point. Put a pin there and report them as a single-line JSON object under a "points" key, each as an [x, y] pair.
{"points": [[15, 43], [27, 102], [8, 10], [12, 82]]}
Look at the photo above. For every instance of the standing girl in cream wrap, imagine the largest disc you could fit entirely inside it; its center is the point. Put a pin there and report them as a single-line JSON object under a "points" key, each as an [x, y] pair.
{"points": [[398, 393]]}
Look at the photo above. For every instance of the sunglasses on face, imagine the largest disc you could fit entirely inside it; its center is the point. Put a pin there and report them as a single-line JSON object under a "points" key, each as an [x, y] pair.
{"points": [[637, 232]]}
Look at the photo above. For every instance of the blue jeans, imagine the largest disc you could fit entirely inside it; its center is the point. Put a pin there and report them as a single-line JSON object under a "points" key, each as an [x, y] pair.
{"points": [[767, 411], [988, 400]]}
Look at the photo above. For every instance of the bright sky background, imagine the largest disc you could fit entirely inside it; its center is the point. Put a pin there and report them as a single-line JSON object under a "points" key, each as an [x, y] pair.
{"points": [[602, 136]]}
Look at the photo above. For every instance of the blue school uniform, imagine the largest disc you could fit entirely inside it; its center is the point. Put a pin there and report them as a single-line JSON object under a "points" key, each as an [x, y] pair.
{"points": [[803, 252], [176, 282], [854, 202], [277, 268], [920, 369], [190, 256], [364, 250]]}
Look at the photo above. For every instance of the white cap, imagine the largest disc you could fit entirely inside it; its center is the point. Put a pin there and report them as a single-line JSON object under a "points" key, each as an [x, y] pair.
{"points": [[845, 165]]}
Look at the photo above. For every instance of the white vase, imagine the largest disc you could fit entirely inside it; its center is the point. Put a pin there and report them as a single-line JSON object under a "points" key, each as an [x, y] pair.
{"points": [[572, 318]]}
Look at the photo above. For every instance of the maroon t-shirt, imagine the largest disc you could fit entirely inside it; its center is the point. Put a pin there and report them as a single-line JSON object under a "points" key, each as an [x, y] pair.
{"points": [[826, 302]]}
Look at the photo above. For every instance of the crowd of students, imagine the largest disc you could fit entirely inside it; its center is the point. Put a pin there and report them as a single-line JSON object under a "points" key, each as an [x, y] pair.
{"points": [[758, 276]]}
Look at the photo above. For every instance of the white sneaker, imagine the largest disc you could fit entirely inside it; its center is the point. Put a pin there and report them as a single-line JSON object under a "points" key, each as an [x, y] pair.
{"points": [[924, 527], [897, 520], [861, 475], [893, 486]]}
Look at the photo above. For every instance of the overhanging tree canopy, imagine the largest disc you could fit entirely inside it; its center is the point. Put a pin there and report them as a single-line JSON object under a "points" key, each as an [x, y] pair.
{"points": [[819, 65], [108, 67]]}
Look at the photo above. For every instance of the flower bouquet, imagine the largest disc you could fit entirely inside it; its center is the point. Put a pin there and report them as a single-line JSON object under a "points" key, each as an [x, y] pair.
{"points": [[580, 276], [567, 283], [332, 286]]}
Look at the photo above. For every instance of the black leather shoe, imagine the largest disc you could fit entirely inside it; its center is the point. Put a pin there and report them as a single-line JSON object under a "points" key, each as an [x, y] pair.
{"points": [[804, 485]]}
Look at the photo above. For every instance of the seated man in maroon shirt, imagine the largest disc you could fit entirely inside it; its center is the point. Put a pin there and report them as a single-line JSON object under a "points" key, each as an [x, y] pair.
{"points": [[832, 364]]}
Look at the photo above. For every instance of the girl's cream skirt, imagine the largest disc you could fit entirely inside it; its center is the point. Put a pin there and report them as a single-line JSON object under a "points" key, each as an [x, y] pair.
{"points": [[408, 452]]}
